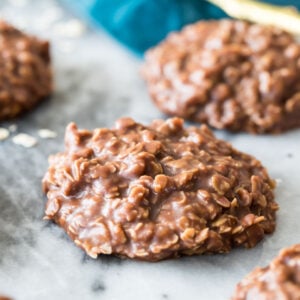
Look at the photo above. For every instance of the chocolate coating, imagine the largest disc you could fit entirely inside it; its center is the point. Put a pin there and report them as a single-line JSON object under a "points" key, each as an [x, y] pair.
{"points": [[278, 281], [25, 72], [228, 74], [158, 191]]}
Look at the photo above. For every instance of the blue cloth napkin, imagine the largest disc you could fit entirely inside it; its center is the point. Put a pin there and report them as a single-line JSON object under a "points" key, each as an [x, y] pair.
{"points": [[140, 24]]}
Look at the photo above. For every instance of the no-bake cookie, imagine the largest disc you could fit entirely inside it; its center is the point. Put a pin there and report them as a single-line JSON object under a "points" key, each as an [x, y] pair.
{"points": [[157, 191], [4, 298], [229, 74], [278, 281], [25, 72]]}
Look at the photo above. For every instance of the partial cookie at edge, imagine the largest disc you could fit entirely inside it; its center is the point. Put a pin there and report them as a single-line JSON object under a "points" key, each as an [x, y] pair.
{"points": [[279, 280], [25, 71]]}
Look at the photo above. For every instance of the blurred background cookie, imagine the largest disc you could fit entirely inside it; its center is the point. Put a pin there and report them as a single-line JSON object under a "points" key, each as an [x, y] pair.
{"points": [[25, 71], [228, 74]]}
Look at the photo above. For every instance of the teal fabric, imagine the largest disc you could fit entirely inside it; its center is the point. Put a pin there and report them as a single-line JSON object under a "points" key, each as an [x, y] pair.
{"points": [[140, 24]]}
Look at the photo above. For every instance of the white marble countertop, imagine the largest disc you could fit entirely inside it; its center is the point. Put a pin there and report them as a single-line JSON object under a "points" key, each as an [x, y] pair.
{"points": [[97, 81]]}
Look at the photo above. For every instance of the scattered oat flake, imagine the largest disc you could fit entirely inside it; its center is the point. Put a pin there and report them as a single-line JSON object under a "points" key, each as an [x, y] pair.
{"points": [[4, 134], [66, 47], [24, 140], [47, 134], [70, 29], [50, 16], [18, 3], [13, 128], [53, 14]]}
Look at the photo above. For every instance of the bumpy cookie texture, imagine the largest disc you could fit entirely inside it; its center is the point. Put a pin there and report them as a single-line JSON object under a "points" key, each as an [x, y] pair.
{"points": [[25, 73], [158, 191], [228, 74], [278, 281]]}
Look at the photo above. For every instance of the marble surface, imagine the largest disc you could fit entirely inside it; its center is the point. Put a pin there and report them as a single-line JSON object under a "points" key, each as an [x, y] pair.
{"points": [[97, 81]]}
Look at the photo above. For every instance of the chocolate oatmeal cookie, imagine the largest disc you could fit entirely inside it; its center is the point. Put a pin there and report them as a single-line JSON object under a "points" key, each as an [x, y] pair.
{"points": [[228, 74], [4, 298], [25, 73], [278, 281], [158, 191]]}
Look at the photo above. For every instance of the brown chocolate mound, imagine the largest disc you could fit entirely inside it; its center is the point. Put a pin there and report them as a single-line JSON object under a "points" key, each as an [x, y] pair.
{"points": [[228, 74], [25, 73], [157, 192], [279, 280]]}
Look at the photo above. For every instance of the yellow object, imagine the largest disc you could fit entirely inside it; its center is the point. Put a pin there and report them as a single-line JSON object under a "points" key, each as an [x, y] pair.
{"points": [[285, 17]]}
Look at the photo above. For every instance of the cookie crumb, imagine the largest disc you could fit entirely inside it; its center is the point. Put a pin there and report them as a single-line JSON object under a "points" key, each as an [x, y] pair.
{"points": [[4, 134], [24, 140], [47, 134]]}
